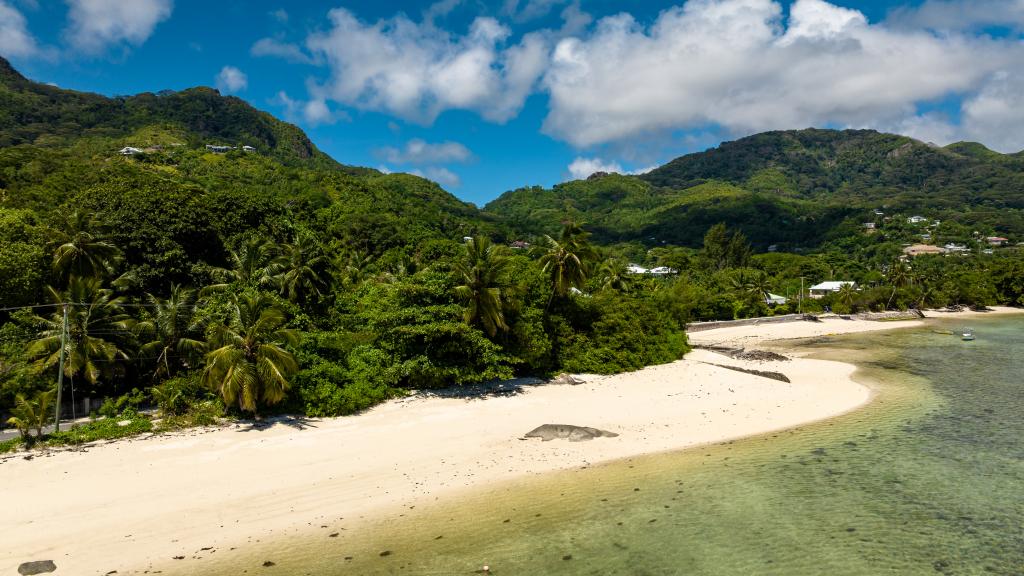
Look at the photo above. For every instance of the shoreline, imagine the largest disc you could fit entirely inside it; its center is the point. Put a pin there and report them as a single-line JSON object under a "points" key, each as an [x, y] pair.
{"points": [[136, 505]]}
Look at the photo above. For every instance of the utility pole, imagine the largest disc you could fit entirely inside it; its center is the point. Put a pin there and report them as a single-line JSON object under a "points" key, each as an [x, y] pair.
{"points": [[60, 374], [800, 300]]}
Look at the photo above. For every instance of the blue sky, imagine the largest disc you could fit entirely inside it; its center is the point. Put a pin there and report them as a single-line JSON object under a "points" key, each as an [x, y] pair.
{"points": [[489, 96]]}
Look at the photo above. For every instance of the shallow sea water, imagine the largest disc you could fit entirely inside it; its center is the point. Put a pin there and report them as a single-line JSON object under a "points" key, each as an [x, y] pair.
{"points": [[928, 479]]}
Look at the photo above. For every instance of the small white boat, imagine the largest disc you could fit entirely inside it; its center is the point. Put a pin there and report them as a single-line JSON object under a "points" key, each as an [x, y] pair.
{"points": [[968, 334]]}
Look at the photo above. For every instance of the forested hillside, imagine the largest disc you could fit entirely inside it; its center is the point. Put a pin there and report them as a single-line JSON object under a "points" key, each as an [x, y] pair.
{"points": [[793, 189]]}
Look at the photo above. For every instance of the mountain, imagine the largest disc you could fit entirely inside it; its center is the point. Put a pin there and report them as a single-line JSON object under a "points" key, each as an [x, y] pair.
{"points": [[175, 206], [794, 189], [35, 113]]}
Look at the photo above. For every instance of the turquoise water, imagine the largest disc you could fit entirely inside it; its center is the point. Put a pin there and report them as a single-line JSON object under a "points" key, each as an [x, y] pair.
{"points": [[929, 479]]}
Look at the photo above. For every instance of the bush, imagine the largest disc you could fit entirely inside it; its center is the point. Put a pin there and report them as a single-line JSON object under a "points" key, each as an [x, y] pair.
{"points": [[177, 396], [102, 429], [11, 445], [129, 402]]}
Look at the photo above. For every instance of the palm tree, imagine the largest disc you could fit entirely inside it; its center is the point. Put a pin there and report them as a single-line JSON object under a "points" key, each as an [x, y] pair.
{"points": [[480, 273], [83, 251], [350, 268], [168, 334], [847, 295], [757, 285], [615, 275], [249, 263], [567, 259], [297, 270], [247, 363], [32, 414], [899, 276], [96, 319]]}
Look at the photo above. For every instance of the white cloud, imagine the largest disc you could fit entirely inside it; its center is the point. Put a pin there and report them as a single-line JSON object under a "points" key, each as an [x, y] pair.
{"points": [[93, 25], [416, 70], [313, 112], [995, 115], [418, 151], [959, 14], [526, 10], [581, 168], [281, 15], [231, 80], [15, 39], [739, 65], [442, 176], [278, 49]]}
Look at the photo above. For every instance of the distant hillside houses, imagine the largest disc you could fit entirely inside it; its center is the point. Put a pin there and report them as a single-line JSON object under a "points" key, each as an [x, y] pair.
{"points": [[916, 220], [996, 240], [217, 149]]}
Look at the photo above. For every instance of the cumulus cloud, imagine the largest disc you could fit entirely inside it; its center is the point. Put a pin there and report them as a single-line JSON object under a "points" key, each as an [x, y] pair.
{"points": [[312, 112], [15, 39], [959, 14], [276, 48], [442, 176], [231, 80], [93, 25], [995, 115], [416, 70], [525, 10], [417, 151], [741, 65], [581, 168]]}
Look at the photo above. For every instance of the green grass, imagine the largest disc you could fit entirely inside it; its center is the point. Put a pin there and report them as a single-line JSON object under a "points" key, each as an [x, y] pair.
{"points": [[10, 445], [103, 429]]}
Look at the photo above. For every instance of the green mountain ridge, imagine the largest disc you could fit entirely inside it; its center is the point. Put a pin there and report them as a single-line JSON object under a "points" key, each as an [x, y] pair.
{"points": [[177, 208], [793, 189]]}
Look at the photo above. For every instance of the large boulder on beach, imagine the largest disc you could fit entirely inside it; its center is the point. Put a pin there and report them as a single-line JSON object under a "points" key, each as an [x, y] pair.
{"points": [[567, 431], [36, 567]]}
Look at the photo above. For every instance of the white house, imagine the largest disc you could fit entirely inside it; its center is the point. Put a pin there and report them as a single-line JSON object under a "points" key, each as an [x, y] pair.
{"points": [[956, 248], [662, 271], [248, 148], [869, 225], [825, 288], [635, 269], [775, 299], [996, 240], [129, 151], [916, 219], [219, 149]]}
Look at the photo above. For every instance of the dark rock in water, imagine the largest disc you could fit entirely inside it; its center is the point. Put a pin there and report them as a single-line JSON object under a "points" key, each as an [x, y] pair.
{"points": [[385, 553], [37, 567], [268, 564], [567, 431], [567, 557]]}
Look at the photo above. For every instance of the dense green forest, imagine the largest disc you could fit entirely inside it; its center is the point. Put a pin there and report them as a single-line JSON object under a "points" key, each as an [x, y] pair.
{"points": [[248, 282], [795, 190]]}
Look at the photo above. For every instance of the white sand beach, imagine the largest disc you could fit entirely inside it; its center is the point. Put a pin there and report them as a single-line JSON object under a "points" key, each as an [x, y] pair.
{"points": [[132, 506]]}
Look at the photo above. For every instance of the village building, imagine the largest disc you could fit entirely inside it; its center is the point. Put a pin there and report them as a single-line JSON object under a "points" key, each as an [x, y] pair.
{"points": [[129, 151], [826, 288], [923, 250], [916, 219], [775, 299], [996, 240]]}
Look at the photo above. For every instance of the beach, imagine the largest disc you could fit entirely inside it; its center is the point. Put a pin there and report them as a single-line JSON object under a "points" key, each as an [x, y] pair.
{"points": [[133, 506]]}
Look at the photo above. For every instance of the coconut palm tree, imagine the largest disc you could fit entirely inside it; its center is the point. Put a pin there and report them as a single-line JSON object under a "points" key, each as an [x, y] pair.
{"points": [[899, 276], [249, 265], [615, 275], [97, 330], [82, 250], [568, 260], [248, 364], [32, 414], [169, 335], [847, 295], [480, 272], [298, 268]]}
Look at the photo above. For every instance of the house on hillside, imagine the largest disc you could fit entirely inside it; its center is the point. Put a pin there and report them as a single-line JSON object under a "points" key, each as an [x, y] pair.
{"points": [[916, 220], [869, 225], [826, 288], [519, 245], [219, 149], [663, 271], [923, 249], [248, 148], [775, 299], [129, 151], [951, 247], [996, 240], [635, 269]]}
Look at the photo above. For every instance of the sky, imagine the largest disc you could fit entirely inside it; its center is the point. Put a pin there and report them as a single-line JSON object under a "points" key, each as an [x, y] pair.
{"points": [[487, 96]]}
